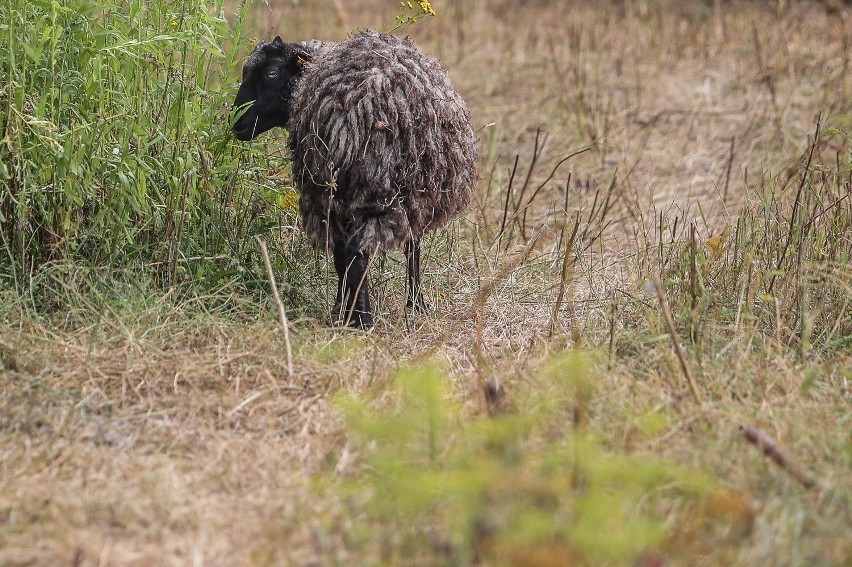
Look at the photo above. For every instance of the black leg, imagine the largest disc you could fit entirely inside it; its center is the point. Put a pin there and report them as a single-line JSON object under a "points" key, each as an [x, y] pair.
{"points": [[415, 292], [341, 262], [353, 288], [340, 267]]}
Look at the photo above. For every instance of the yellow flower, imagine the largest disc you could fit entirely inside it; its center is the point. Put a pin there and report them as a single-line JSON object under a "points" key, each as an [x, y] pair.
{"points": [[288, 201], [715, 246], [427, 8]]}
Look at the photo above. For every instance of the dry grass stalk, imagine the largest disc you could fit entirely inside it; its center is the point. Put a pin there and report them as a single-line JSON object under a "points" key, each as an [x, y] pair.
{"points": [[797, 202], [728, 167], [765, 76], [477, 309], [282, 313], [670, 326], [773, 450], [566, 275]]}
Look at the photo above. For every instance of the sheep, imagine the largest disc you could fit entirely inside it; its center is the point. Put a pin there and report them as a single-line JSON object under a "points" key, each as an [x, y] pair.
{"points": [[382, 146]]}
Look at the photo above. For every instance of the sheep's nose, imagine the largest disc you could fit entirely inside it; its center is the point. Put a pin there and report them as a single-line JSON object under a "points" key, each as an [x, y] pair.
{"points": [[242, 134]]}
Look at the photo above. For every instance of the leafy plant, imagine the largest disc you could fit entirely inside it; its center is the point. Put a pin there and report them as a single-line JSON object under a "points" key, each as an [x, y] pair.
{"points": [[410, 12], [523, 487], [115, 143]]}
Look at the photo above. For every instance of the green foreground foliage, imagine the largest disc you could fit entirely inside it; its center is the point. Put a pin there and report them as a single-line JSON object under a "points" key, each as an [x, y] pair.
{"points": [[115, 142], [530, 486]]}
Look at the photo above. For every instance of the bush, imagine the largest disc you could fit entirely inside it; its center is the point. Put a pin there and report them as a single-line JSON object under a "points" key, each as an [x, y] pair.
{"points": [[115, 146]]}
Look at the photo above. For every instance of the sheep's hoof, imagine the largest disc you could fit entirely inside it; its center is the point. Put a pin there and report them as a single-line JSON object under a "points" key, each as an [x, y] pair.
{"points": [[356, 320], [361, 321]]}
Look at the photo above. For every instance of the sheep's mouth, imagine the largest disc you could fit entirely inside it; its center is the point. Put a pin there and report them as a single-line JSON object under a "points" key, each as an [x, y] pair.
{"points": [[246, 129], [250, 129], [244, 134]]}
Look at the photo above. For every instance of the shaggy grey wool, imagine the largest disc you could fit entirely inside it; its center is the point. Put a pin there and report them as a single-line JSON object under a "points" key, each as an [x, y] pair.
{"points": [[382, 144]]}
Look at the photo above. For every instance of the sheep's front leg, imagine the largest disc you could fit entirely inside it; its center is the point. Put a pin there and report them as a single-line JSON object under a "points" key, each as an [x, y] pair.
{"points": [[415, 292], [353, 287]]}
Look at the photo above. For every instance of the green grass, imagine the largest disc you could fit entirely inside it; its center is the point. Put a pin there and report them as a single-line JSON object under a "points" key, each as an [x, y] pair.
{"points": [[116, 148]]}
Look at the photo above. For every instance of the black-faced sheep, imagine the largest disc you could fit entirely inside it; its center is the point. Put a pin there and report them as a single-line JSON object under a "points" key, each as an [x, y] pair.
{"points": [[382, 148]]}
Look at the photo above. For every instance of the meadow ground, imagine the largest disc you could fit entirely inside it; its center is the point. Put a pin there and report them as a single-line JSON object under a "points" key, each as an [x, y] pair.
{"points": [[142, 427]]}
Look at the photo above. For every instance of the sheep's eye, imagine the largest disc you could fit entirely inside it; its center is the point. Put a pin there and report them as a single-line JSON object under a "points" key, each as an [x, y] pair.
{"points": [[272, 73]]}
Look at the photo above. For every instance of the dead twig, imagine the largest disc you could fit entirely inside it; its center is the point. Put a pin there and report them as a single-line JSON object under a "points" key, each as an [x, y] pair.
{"points": [[681, 356], [281, 312], [566, 276], [508, 198], [546, 181], [772, 450]]}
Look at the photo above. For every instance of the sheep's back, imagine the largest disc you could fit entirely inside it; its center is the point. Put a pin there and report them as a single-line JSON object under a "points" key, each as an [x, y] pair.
{"points": [[381, 115]]}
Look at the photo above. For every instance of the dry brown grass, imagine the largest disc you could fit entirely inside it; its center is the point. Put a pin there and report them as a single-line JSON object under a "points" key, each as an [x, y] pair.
{"points": [[164, 431]]}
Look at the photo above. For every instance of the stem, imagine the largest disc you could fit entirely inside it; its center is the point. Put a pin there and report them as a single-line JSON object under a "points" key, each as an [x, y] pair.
{"points": [[281, 312]]}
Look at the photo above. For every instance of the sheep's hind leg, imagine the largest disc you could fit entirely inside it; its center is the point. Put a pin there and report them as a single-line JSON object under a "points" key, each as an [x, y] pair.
{"points": [[340, 264], [355, 290], [414, 291]]}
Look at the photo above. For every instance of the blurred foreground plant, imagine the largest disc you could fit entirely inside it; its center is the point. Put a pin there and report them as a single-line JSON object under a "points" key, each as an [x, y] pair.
{"points": [[518, 489]]}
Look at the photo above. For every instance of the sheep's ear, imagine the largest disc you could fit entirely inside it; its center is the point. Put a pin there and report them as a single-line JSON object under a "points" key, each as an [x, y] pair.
{"points": [[278, 43], [300, 57]]}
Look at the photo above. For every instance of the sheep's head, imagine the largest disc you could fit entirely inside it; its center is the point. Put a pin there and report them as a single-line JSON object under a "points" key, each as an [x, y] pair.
{"points": [[267, 87]]}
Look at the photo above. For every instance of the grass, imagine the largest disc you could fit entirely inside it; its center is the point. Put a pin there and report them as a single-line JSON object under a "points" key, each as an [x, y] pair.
{"points": [[146, 413], [114, 147]]}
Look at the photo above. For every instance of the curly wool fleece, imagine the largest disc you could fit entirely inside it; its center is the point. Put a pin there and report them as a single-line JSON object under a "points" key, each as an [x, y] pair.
{"points": [[382, 144]]}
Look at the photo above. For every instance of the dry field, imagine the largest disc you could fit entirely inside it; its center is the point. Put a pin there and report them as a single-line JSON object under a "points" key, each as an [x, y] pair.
{"points": [[164, 429]]}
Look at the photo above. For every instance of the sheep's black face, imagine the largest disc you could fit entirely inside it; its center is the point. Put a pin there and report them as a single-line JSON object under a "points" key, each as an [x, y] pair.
{"points": [[267, 87]]}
